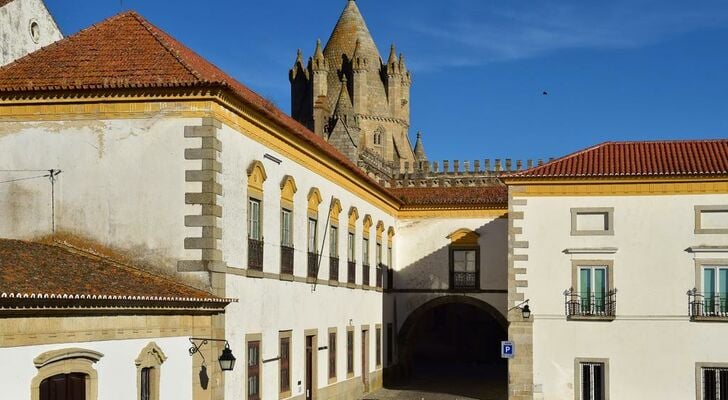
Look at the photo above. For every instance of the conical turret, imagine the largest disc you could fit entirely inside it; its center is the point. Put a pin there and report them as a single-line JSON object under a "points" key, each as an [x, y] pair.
{"points": [[392, 61], [344, 107], [318, 61], [298, 68]]}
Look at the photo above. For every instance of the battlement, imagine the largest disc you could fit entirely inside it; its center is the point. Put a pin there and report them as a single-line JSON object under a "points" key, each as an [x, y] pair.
{"points": [[446, 173]]}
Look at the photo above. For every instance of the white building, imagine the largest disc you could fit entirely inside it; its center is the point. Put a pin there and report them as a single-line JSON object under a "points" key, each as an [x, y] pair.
{"points": [[25, 26], [163, 161], [606, 243]]}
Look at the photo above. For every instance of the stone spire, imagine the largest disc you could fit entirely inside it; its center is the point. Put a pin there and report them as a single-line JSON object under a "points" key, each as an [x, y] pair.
{"points": [[343, 104], [420, 149], [392, 61], [350, 28], [318, 61]]}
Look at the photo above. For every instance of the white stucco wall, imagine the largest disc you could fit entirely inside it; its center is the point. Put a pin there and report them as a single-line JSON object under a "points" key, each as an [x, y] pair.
{"points": [[268, 306], [422, 260], [16, 39], [652, 339], [117, 378], [122, 184]]}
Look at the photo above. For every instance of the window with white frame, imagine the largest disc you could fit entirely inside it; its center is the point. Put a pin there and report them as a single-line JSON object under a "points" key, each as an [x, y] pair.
{"points": [[286, 228], [254, 231], [333, 241], [350, 247], [312, 241], [365, 251], [592, 380], [715, 289], [593, 288], [714, 383]]}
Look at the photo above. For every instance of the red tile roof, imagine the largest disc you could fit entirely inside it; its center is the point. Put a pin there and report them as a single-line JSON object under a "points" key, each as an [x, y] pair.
{"points": [[42, 271], [496, 195], [127, 52], [638, 159]]}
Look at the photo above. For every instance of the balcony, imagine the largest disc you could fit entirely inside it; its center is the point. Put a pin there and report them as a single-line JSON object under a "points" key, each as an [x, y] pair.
{"points": [[590, 306], [312, 265], [365, 274], [333, 268], [255, 254], [707, 306], [465, 280], [351, 272], [286, 260], [380, 274]]}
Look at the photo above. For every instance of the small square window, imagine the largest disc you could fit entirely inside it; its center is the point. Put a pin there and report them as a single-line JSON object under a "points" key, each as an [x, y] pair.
{"points": [[592, 221], [711, 219]]}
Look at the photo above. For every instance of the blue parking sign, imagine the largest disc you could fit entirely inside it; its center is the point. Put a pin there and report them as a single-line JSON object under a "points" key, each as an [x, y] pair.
{"points": [[508, 349]]}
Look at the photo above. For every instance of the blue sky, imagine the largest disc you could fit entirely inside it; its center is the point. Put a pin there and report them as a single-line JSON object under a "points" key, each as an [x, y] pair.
{"points": [[614, 70]]}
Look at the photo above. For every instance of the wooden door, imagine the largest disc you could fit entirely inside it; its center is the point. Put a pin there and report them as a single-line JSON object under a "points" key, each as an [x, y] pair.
{"points": [[64, 387], [365, 359], [309, 367]]}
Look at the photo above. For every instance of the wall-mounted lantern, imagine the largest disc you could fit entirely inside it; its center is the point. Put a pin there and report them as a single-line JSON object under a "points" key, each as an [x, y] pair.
{"points": [[525, 309], [226, 359]]}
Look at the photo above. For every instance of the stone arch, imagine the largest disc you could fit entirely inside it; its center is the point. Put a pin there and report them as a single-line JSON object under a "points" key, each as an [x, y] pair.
{"points": [[408, 329], [256, 176], [464, 236], [288, 189], [314, 199], [66, 361], [335, 211]]}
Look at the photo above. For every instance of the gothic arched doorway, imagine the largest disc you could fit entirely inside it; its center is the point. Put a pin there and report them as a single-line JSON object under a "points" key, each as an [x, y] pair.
{"points": [[451, 344]]}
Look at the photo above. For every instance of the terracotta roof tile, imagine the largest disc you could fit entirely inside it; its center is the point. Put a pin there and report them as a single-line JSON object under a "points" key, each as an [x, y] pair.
{"points": [[29, 268], [638, 159], [127, 52], [3, 3], [496, 195]]}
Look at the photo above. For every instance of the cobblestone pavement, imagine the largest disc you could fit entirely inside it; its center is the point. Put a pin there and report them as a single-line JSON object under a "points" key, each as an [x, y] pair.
{"points": [[453, 383]]}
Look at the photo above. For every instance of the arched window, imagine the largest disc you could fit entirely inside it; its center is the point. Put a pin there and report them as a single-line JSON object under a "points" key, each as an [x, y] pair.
{"points": [[148, 365], [378, 134], [256, 178], [464, 259], [65, 374]]}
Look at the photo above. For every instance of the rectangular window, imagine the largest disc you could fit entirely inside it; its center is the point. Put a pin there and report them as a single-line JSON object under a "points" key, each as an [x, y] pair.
{"points": [[714, 382], [711, 219], [350, 247], [715, 290], [285, 365], [286, 228], [390, 269], [378, 346], [592, 221], [365, 252], [254, 219], [334, 241], [464, 268], [332, 355], [350, 352], [593, 289], [254, 370], [592, 381], [379, 254], [312, 240], [146, 384]]}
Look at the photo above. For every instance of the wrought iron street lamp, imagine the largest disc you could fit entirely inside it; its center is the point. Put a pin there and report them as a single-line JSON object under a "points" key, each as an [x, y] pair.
{"points": [[226, 359]]}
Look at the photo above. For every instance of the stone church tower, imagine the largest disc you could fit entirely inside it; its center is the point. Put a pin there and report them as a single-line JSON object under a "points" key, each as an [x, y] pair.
{"points": [[347, 94]]}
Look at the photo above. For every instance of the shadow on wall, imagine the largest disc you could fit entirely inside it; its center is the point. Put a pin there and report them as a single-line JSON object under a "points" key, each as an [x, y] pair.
{"points": [[450, 342]]}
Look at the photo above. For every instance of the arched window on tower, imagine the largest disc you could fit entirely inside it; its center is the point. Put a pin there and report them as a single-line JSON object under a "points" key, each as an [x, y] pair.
{"points": [[378, 135]]}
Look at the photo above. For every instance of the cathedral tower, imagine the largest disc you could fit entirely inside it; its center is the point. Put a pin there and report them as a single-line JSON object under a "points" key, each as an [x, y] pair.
{"points": [[347, 94]]}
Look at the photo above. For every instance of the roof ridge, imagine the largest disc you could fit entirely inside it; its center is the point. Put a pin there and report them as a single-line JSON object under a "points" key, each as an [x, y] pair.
{"points": [[155, 32], [560, 159]]}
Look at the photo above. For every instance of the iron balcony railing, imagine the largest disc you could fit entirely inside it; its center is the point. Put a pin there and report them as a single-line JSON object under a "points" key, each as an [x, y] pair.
{"points": [[351, 272], [710, 305], [286, 260], [365, 274], [334, 268], [255, 254], [380, 274], [312, 265], [465, 280], [590, 304]]}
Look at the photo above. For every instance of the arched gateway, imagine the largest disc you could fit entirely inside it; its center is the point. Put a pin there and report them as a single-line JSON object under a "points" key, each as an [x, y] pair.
{"points": [[452, 344]]}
